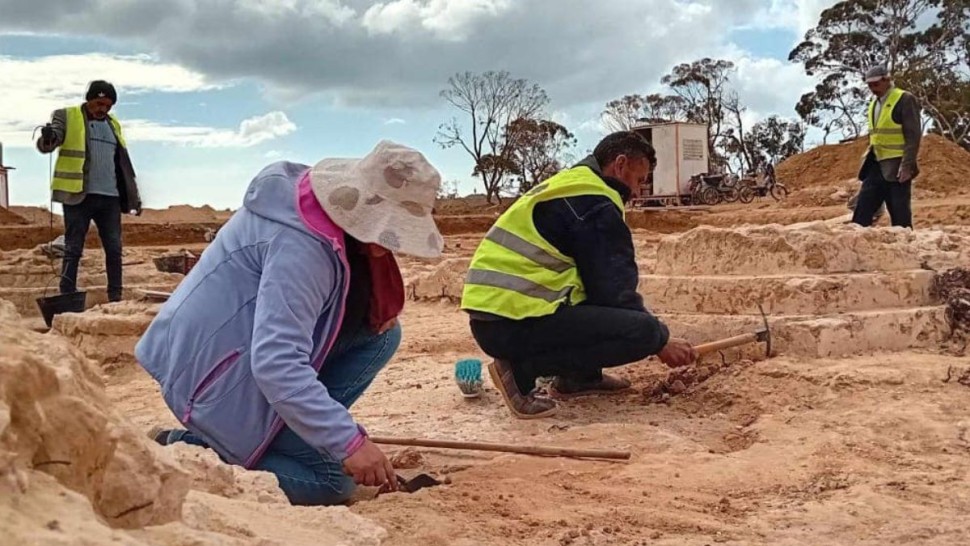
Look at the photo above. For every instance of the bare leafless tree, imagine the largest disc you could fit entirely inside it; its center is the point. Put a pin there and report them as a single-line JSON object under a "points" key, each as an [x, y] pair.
{"points": [[489, 102], [624, 113]]}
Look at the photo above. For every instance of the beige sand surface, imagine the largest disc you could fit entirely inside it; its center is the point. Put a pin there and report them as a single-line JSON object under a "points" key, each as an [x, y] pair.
{"points": [[851, 434]]}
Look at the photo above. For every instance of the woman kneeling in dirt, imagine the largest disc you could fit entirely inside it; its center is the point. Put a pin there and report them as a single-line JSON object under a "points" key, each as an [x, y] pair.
{"points": [[289, 315]]}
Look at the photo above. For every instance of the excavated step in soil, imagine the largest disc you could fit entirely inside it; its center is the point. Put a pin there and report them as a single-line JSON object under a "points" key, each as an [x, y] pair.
{"points": [[821, 336], [788, 294], [815, 248], [828, 290], [107, 334], [26, 275]]}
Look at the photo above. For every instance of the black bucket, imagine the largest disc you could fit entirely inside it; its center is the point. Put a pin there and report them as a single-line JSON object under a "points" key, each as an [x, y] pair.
{"points": [[74, 302]]}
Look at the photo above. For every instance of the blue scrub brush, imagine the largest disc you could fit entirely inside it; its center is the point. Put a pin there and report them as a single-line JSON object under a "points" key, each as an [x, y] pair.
{"points": [[468, 375]]}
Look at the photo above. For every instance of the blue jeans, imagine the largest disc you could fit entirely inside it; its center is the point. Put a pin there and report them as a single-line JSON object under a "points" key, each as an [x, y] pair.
{"points": [[307, 476], [106, 213]]}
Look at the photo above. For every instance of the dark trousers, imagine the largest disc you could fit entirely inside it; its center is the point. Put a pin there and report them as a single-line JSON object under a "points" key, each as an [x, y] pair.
{"points": [[875, 191], [576, 342], [105, 212]]}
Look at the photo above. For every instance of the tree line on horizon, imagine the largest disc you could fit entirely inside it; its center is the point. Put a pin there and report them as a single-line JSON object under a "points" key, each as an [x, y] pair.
{"points": [[502, 121]]}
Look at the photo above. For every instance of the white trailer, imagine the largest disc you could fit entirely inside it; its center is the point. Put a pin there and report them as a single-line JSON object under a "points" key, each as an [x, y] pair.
{"points": [[681, 153]]}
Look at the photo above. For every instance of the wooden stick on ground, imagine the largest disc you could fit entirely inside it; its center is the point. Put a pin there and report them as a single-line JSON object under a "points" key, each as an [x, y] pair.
{"points": [[506, 448]]}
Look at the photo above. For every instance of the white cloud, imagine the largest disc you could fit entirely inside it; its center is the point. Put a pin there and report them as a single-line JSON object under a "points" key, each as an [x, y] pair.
{"points": [[331, 11], [273, 154], [796, 15], [392, 53], [251, 132], [445, 19], [31, 93], [770, 86], [394, 121], [33, 88]]}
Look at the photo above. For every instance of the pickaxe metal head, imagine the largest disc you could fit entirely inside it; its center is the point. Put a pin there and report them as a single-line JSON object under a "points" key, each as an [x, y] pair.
{"points": [[764, 335], [761, 336]]}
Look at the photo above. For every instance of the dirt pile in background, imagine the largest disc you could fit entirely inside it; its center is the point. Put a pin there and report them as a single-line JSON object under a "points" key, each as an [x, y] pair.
{"points": [[944, 166], [180, 214], [472, 204], [36, 215], [828, 169], [9, 218]]}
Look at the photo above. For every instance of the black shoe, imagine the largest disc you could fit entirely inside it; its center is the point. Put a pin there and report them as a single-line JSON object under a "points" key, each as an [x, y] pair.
{"points": [[564, 387]]}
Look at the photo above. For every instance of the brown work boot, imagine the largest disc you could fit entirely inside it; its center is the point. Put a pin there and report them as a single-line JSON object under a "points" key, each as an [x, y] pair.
{"points": [[565, 387], [523, 406]]}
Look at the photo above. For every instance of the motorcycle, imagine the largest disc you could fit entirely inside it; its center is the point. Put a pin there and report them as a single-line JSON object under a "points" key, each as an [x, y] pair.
{"points": [[712, 189], [762, 184]]}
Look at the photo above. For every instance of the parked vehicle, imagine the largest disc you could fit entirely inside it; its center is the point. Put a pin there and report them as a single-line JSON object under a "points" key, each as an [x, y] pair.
{"points": [[713, 188], [762, 184]]}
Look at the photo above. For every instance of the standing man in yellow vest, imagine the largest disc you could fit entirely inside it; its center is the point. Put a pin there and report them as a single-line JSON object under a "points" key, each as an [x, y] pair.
{"points": [[887, 173], [552, 288], [93, 180]]}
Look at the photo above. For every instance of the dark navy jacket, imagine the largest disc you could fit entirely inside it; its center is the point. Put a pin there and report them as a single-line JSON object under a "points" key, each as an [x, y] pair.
{"points": [[590, 230]]}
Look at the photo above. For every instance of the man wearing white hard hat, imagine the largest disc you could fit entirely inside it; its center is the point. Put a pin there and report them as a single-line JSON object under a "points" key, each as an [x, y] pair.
{"points": [[890, 165], [289, 315]]}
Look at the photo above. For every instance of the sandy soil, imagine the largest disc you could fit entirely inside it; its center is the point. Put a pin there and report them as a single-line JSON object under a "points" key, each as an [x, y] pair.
{"points": [[829, 442], [870, 450], [792, 450]]}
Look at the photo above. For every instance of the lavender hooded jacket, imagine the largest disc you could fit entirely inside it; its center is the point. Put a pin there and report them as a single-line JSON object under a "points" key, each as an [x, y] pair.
{"points": [[237, 347]]}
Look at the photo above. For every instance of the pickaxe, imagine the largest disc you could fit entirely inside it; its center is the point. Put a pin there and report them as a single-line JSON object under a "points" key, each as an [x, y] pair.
{"points": [[761, 336]]}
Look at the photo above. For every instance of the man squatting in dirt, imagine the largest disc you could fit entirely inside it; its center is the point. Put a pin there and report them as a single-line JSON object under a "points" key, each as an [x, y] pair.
{"points": [[93, 179], [552, 288], [890, 163], [289, 315]]}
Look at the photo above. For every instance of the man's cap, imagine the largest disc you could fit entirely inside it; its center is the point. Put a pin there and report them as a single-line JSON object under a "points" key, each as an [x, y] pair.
{"points": [[99, 89], [876, 73]]}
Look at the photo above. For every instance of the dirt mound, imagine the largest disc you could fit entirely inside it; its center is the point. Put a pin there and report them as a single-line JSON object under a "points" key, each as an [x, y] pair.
{"points": [[944, 168], [455, 225], [8, 218], [444, 281], [36, 215], [8, 312], [72, 472], [472, 204], [53, 420], [180, 214]]}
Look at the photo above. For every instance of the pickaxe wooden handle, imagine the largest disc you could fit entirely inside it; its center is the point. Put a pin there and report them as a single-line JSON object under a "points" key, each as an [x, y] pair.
{"points": [[761, 336], [728, 343], [507, 448]]}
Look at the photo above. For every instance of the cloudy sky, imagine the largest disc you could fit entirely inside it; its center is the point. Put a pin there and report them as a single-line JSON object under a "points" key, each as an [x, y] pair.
{"points": [[210, 91]]}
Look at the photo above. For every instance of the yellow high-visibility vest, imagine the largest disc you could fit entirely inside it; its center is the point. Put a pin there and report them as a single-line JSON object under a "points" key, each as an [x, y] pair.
{"points": [[885, 135], [515, 273], [69, 169]]}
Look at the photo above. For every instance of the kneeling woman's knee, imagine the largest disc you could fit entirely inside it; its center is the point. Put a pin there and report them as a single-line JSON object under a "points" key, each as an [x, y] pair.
{"points": [[331, 493], [393, 338]]}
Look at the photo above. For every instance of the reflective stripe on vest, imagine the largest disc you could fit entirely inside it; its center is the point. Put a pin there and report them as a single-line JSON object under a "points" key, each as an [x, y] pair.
{"points": [[885, 135], [515, 273], [69, 169]]}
